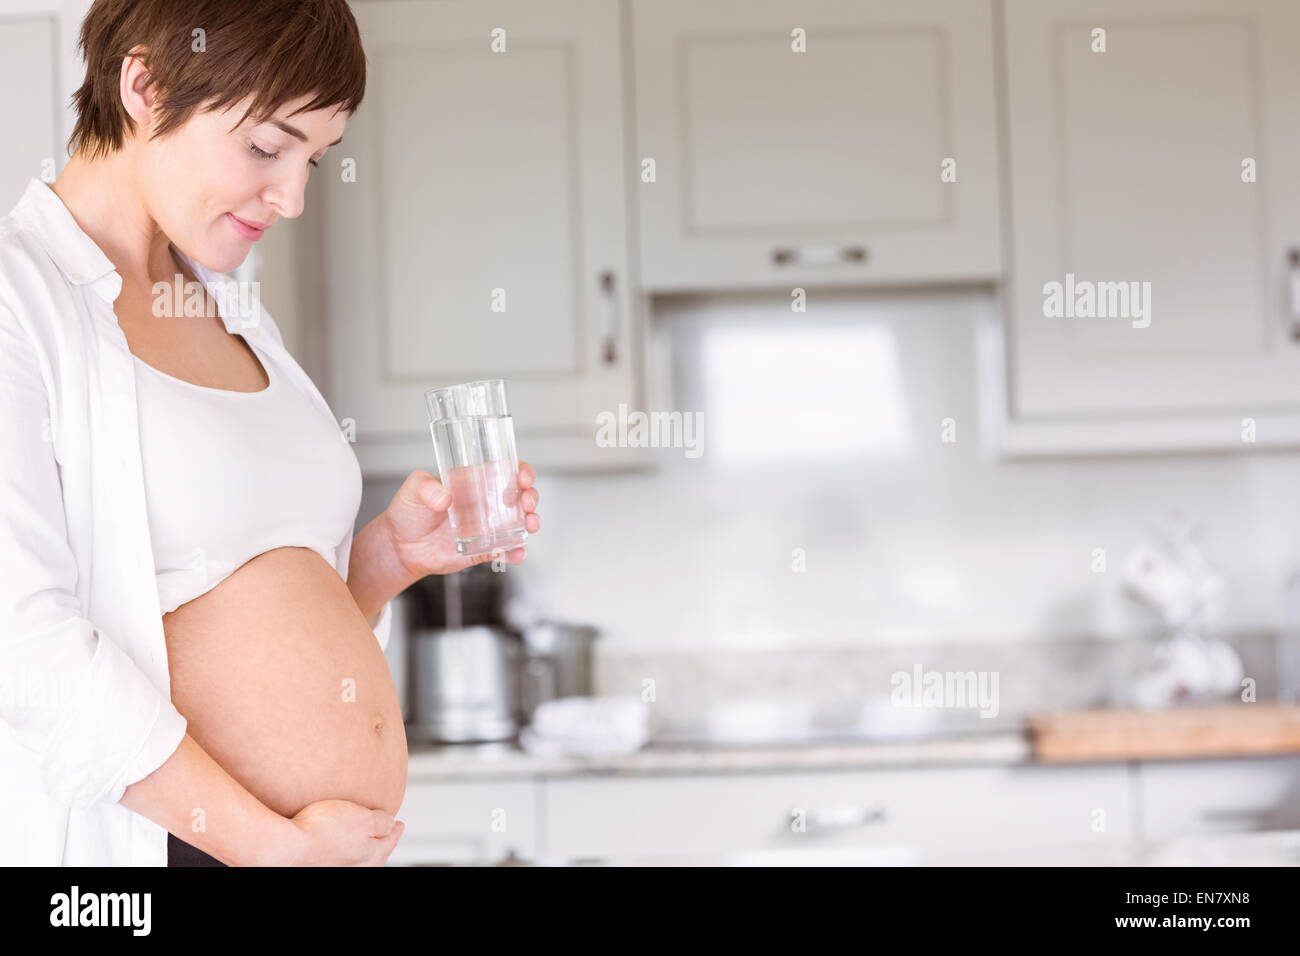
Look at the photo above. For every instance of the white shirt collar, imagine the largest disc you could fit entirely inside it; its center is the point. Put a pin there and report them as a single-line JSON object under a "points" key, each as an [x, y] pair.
{"points": [[75, 253]]}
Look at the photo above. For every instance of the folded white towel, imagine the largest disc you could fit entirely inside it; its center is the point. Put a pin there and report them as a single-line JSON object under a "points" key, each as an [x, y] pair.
{"points": [[587, 727]]}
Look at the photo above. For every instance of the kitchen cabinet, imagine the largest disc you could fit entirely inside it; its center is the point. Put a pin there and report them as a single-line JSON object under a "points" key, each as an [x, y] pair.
{"points": [[467, 822], [1106, 812], [31, 137], [37, 56], [775, 168], [1205, 797], [485, 232], [951, 808], [1151, 148]]}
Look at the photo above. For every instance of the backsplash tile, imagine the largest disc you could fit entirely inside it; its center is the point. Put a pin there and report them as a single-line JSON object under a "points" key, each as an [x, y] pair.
{"points": [[1065, 674], [934, 545]]}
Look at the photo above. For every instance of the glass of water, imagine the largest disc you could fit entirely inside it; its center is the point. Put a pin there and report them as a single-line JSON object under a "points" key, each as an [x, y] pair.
{"points": [[474, 440]]}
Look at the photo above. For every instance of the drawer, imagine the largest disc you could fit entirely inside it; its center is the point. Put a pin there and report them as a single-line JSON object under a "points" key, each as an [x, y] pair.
{"points": [[1231, 795], [467, 822], [964, 808]]}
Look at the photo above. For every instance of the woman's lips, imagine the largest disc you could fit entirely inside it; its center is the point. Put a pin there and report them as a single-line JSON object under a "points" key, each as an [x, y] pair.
{"points": [[245, 229]]}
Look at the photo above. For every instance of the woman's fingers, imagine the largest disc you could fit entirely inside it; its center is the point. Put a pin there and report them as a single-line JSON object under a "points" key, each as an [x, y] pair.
{"points": [[386, 845]]}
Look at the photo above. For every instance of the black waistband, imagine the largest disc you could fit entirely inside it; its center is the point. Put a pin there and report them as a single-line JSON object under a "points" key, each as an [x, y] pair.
{"points": [[180, 853]]}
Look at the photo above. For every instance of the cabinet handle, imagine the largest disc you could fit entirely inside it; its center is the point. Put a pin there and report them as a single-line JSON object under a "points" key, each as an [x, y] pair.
{"points": [[825, 254], [1294, 317], [845, 818], [609, 305]]}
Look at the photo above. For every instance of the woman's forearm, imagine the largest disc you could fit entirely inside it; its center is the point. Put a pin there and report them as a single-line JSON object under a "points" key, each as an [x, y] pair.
{"points": [[375, 576], [237, 828]]}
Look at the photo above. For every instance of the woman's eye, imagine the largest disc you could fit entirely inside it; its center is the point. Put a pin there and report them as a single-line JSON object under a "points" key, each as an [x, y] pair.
{"points": [[263, 154]]}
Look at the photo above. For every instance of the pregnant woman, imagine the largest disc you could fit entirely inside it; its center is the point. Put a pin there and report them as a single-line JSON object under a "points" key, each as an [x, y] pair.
{"points": [[191, 637]]}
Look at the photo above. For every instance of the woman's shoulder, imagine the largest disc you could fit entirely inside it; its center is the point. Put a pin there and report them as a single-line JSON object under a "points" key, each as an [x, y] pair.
{"points": [[30, 281], [21, 253]]}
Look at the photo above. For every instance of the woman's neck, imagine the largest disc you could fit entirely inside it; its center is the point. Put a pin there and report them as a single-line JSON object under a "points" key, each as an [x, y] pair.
{"points": [[107, 204]]}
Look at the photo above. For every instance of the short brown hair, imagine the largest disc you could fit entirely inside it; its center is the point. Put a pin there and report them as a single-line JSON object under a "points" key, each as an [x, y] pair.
{"points": [[273, 50]]}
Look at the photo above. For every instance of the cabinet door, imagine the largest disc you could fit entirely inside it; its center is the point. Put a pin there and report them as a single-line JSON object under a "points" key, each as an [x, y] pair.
{"points": [[929, 809], [485, 233], [1201, 797], [38, 56], [1130, 183], [479, 822], [774, 167]]}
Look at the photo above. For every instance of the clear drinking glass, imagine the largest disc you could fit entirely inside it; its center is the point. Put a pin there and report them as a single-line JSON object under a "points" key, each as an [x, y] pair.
{"points": [[474, 440]]}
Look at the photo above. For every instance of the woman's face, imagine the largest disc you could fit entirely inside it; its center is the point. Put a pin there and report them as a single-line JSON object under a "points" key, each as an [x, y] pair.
{"points": [[202, 179]]}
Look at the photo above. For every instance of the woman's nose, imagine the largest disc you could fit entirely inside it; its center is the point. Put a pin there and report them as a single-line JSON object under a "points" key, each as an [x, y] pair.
{"points": [[287, 196]]}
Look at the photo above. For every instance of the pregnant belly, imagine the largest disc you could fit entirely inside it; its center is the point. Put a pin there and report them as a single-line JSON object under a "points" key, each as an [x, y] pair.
{"points": [[283, 683]]}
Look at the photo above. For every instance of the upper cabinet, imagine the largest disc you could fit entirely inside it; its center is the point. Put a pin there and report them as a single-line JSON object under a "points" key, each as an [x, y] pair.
{"points": [[1139, 155], [485, 232], [828, 142], [1153, 149], [38, 56]]}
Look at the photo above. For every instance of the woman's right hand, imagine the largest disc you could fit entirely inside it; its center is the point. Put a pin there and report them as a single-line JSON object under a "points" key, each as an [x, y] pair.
{"points": [[339, 833]]}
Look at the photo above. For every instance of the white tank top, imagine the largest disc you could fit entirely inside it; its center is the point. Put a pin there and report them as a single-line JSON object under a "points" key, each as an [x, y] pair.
{"points": [[230, 475]]}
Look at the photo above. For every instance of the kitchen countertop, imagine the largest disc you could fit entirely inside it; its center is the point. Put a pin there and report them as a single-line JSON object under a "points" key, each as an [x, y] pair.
{"points": [[480, 761], [1192, 733]]}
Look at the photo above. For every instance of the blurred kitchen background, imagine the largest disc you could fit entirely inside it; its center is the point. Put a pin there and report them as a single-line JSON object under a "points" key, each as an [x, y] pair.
{"points": [[822, 230]]}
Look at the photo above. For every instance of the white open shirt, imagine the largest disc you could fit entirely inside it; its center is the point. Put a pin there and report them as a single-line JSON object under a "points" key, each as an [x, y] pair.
{"points": [[85, 698]]}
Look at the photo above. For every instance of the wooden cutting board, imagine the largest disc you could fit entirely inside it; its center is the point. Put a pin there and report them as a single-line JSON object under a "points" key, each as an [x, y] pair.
{"points": [[1222, 730]]}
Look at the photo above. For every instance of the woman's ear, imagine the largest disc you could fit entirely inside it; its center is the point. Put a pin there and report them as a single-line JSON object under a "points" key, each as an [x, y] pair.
{"points": [[136, 89]]}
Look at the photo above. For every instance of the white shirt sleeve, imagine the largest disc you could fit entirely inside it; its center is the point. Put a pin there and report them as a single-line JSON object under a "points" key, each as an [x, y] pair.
{"points": [[384, 623], [384, 626], [75, 698]]}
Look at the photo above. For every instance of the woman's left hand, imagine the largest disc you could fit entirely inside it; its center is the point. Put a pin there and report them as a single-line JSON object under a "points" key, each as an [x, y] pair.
{"points": [[420, 532]]}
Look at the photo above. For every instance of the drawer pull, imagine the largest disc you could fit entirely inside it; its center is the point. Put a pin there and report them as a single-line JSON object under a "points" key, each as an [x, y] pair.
{"points": [[844, 818], [825, 254]]}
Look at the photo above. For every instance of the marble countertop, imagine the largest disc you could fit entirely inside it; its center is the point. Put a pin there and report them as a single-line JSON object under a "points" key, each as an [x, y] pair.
{"points": [[479, 761]]}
